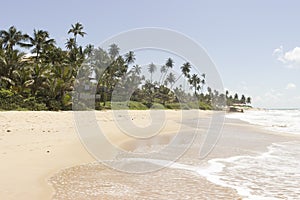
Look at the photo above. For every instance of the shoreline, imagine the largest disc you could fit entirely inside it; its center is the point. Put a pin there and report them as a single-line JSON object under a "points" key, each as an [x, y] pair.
{"points": [[32, 134]]}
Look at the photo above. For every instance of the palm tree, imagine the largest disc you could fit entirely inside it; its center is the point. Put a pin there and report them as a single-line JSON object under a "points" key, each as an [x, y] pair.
{"points": [[11, 38], [89, 50], [236, 98], [9, 65], [227, 93], [243, 99], [248, 100], [136, 69], [195, 81], [151, 69], [163, 70], [203, 82], [77, 29], [113, 51], [40, 42], [70, 44], [130, 57], [169, 64], [171, 79], [185, 69]]}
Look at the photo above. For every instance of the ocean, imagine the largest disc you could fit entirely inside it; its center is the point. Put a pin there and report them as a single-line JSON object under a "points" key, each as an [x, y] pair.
{"points": [[274, 174], [282, 120]]}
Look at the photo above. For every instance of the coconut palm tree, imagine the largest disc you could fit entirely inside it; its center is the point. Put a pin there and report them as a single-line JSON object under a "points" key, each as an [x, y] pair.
{"points": [[89, 50], [169, 64], [77, 29], [185, 69], [171, 79], [248, 100], [136, 69], [163, 70], [11, 38], [9, 65], [151, 68], [113, 51], [40, 42], [129, 57], [70, 44], [195, 81]]}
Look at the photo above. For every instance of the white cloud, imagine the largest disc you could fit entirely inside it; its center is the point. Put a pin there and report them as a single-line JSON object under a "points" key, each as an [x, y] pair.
{"points": [[290, 86], [290, 58]]}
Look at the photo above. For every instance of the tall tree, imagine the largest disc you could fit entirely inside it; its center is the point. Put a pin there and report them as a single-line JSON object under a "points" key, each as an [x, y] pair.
{"points": [[236, 98], [136, 69], [113, 51], [171, 79], [40, 41], [169, 65], [130, 57], [185, 71], [248, 100], [195, 81], [243, 99], [151, 68], [77, 29], [11, 38]]}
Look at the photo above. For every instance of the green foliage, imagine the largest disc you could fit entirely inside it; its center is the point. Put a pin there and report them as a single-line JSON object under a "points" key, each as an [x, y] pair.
{"points": [[175, 106], [32, 103], [8, 100], [204, 106], [134, 105], [157, 106], [12, 101]]}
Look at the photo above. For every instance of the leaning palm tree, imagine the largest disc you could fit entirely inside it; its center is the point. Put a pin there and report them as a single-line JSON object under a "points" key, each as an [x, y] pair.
{"points": [[185, 69], [77, 29], [151, 69], [11, 38]]}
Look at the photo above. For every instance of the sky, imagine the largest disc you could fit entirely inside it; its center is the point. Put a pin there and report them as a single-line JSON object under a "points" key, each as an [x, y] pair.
{"points": [[255, 45]]}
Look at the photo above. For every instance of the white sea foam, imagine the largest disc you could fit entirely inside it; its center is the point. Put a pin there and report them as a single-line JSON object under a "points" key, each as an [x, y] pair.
{"points": [[274, 174], [287, 121]]}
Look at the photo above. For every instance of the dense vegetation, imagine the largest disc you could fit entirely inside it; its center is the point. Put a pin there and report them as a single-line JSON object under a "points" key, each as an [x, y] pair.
{"points": [[46, 78]]}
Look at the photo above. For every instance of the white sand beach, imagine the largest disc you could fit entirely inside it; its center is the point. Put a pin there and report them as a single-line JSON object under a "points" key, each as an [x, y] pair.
{"points": [[42, 157]]}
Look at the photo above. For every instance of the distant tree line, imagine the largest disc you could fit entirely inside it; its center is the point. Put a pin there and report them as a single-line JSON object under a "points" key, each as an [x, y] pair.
{"points": [[45, 79]]}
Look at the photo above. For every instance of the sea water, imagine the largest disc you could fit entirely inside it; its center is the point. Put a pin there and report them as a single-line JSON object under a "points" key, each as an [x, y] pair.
{"points": [[283, 120], [274, 174]]}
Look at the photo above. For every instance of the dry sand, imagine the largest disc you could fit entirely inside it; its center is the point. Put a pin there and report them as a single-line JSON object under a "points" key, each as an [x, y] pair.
{"points": [[35, 146]]}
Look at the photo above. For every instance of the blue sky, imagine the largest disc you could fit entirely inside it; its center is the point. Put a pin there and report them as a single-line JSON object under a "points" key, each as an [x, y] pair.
{"points": [[253, 43]]}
